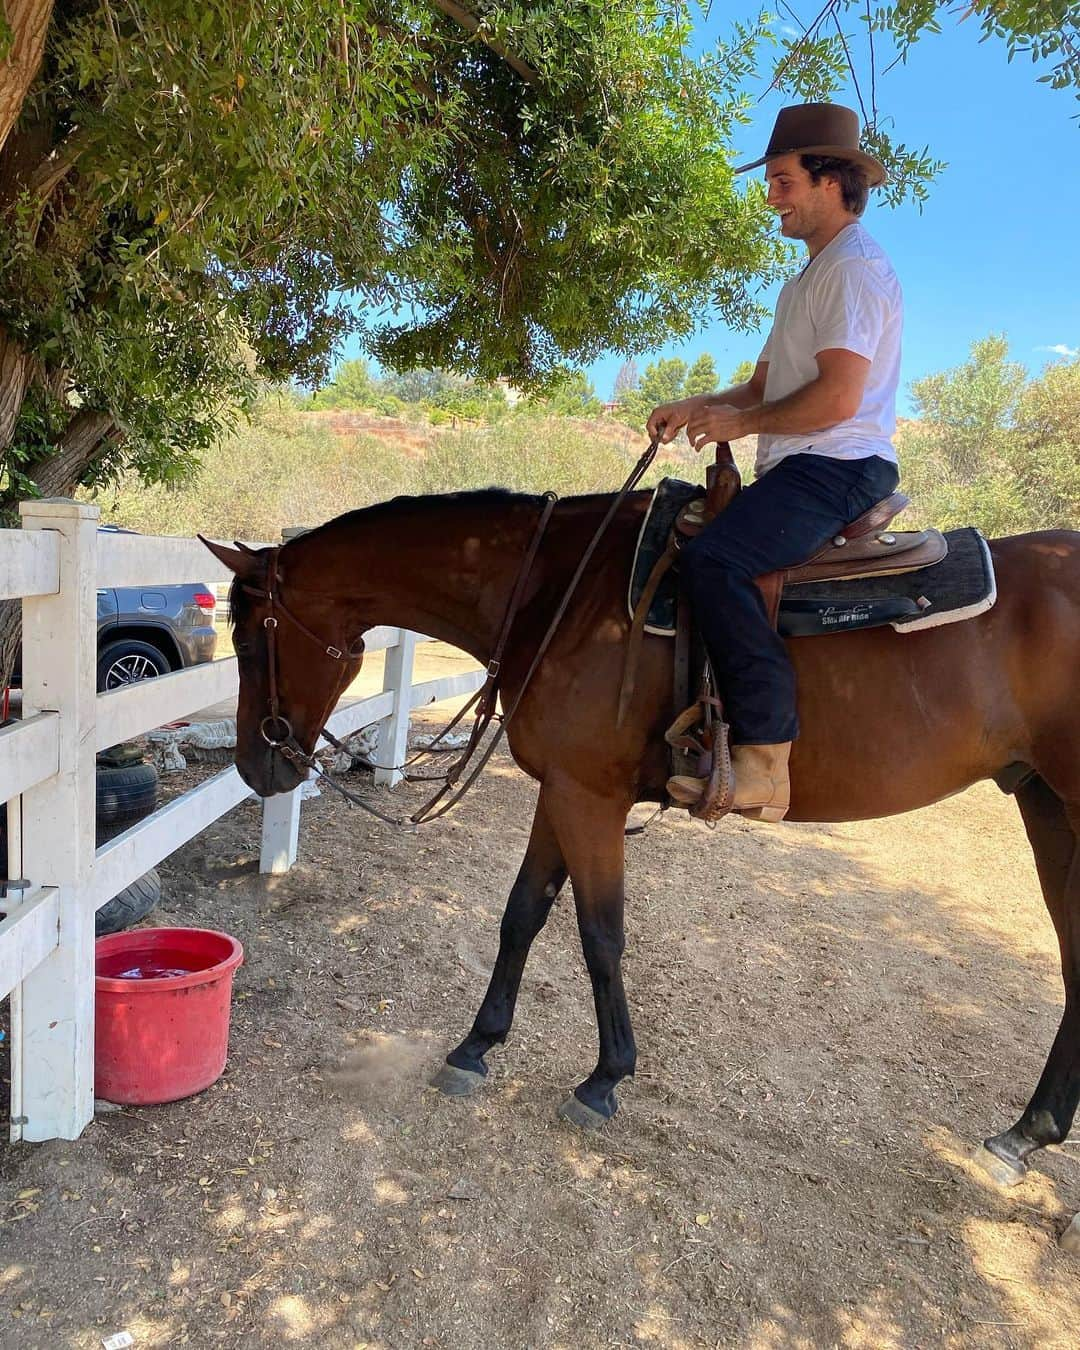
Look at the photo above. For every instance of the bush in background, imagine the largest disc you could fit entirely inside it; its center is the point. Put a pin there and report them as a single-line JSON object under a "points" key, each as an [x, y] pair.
{"points": [[992, 448]]}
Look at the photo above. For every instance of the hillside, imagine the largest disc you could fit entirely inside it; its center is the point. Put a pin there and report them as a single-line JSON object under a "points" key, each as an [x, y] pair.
{"points": [[292, 467]]}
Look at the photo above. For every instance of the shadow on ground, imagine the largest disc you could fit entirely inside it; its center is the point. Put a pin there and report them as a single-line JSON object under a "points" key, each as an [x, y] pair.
{"points": [[828, 1018]]}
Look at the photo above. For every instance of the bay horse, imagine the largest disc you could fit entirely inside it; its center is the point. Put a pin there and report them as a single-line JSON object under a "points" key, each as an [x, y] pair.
{"points": [[890, 722]]}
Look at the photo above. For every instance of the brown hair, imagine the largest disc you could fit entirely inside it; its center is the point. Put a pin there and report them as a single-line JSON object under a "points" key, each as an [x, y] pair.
{"points": [[854, 188]]}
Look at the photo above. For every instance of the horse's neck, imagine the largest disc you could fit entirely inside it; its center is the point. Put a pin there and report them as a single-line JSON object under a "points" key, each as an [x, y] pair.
{"points": [[448, 574]]}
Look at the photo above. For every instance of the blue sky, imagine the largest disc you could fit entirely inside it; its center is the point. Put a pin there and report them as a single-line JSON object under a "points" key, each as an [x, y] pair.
{"points": [[996, 247]]}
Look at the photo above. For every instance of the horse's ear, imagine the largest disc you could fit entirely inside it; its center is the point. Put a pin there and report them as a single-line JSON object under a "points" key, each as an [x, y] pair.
{"points": [[236, 560]]}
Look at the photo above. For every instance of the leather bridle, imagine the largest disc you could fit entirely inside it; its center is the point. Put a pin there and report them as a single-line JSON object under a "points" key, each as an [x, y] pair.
{"points": [[287, 743], [277, 731]]}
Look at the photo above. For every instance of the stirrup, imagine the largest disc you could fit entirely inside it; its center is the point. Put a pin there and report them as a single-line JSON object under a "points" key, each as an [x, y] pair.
{"points": [[714, 769], [677, 735]]}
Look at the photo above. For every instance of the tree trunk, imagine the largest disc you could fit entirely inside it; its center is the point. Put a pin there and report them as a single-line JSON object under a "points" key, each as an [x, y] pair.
{"points": [[56, 475], [16, 367], [29, 22], [10, 638]]}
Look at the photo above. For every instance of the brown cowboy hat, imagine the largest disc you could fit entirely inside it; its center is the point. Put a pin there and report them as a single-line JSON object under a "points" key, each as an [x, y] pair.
{"points": [[819, 129]]}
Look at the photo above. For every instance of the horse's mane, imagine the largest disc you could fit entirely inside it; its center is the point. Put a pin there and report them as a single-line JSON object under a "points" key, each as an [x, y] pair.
{"points": [[430, 503], [240, 599]]}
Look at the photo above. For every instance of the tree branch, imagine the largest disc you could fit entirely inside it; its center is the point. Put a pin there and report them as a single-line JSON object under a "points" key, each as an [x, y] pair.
{"points": [[85, 437], [57, 164], [472, 25]]}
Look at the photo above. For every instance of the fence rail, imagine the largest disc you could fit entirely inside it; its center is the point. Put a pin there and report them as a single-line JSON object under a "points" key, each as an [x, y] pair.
{"points": [[29, 564], [55, 564]]}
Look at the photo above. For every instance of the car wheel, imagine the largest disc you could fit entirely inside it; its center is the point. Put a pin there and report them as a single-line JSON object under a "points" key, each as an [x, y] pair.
{"points": [[127, 660], [131, 905], [126, 793]]}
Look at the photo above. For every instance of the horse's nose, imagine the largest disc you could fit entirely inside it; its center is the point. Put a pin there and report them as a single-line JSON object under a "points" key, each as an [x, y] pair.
{"points": [[284, 777], [268, 774]]}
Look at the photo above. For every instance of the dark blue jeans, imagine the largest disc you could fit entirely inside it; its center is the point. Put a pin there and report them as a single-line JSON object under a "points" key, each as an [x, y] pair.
{"points": [[779, 520]]}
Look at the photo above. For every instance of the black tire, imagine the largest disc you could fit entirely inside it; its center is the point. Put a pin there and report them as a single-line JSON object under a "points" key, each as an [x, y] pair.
{"points": [[129, 906], [126, 794], [127, 660]]}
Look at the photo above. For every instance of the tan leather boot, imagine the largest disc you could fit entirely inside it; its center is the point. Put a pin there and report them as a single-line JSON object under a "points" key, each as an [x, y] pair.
{"points": [[762, 786]]}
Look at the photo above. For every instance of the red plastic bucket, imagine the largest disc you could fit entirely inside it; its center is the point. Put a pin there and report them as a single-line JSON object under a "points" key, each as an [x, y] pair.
{"points": [[162, 1012]]}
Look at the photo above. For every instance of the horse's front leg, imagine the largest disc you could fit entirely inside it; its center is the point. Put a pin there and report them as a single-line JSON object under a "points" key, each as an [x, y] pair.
{"points": [[538, 882], [589, 827]]}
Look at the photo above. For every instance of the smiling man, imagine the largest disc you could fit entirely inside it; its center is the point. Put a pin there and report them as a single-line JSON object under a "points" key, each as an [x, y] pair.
{"points": [[822, 402]]}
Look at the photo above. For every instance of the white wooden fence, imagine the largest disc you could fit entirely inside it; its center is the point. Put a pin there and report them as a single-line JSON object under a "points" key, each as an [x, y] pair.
{"points": [[56, 563]]}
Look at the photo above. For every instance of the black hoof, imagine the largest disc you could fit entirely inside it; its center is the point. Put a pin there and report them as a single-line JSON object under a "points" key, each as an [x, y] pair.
{"points": [[455, 1082], [587, 1117], [1000, 1163]]}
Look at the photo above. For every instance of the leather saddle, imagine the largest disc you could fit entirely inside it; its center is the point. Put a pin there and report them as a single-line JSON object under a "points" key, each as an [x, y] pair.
{"points": [[865, 547]]}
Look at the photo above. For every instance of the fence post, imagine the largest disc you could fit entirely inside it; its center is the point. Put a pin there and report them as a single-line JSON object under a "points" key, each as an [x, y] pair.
{"points": [[53, 1026], [280, 832], [281, 814], [394, 730]]}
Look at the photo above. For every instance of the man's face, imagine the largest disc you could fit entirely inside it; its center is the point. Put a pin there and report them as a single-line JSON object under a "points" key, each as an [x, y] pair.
{"points": [[805, 208]]}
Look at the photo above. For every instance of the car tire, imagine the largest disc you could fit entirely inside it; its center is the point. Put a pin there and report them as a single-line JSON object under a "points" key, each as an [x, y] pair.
{"points": [[127, 660], [131, 905], [123, 794]]}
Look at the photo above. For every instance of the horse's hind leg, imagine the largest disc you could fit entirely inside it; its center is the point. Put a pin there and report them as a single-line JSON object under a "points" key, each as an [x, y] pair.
{"points": [[1053, 827], [538, 882]]}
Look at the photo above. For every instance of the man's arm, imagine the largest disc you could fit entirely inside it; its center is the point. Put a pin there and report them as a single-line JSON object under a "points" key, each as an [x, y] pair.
{"points": [[824, 402], [666, 421]]}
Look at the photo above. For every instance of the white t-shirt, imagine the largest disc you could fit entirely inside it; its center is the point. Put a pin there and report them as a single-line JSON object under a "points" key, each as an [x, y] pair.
{"points": [[849, 297]]}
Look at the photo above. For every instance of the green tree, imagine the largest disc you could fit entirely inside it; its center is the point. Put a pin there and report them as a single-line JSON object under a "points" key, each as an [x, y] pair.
{"points": [[573, 396], [967, 411], [701, 378], [187, 193], [419, 386], [742, 373], [1044, 452], [993, 448], [469, 400], [440, 395], [663, 382], [351, 387]]}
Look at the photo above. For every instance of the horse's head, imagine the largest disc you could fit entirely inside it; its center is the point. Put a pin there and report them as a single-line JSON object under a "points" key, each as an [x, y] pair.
{"points": [[297, 650]]}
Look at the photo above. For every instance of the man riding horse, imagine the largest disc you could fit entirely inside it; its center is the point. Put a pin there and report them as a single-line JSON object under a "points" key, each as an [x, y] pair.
{"points": [[822, 402]]}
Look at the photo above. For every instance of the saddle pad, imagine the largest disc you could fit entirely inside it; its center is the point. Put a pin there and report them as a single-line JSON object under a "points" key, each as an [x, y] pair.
{"points": [[959, 587], [671, 495]]}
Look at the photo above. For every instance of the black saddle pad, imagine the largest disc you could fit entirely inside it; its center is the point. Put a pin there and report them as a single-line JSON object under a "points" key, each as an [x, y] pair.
{"points": [[959, 587], [671, 495]]}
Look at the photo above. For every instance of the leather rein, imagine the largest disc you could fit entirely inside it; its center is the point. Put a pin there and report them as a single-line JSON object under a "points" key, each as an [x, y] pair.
{"points": [[277, 731]]}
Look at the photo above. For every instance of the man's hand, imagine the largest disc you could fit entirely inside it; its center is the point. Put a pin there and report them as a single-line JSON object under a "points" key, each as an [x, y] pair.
{"points": [[716, 422], [666, 421]]}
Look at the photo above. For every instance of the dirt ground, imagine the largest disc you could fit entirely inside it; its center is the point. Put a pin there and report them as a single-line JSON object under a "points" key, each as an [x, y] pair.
{"points": [[828, 1018]]}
